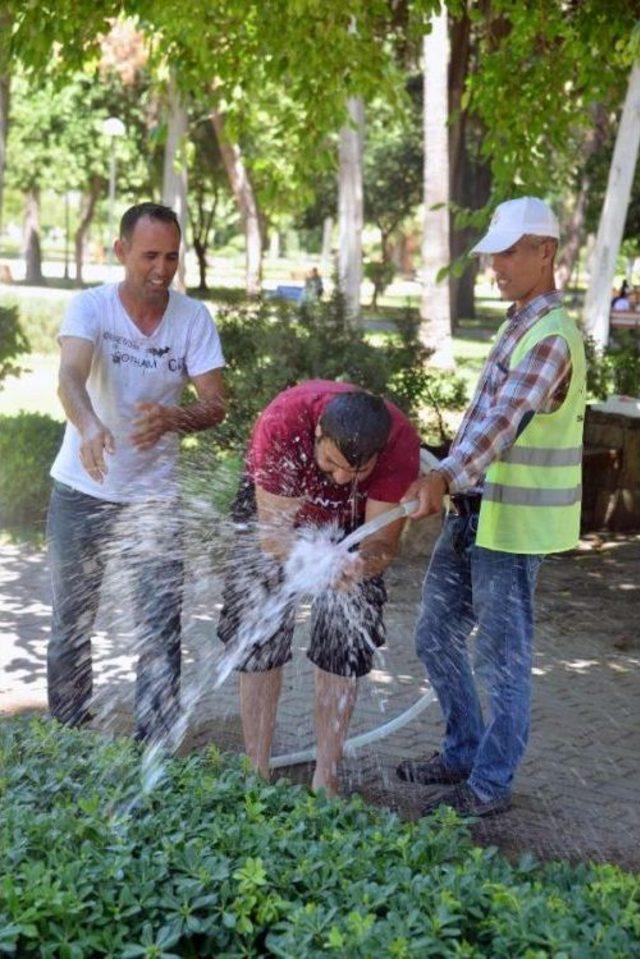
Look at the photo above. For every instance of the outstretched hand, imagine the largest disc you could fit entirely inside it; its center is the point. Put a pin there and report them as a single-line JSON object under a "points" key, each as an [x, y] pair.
{"points": [[151, 423], [96, 441], [429, 490]]}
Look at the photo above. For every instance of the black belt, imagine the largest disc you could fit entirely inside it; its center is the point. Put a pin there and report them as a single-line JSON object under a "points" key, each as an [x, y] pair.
{"points": [[466, 504]]}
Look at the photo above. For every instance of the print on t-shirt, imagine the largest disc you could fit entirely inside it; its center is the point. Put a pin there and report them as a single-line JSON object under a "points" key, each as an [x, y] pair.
{"points": [[122, 348]]}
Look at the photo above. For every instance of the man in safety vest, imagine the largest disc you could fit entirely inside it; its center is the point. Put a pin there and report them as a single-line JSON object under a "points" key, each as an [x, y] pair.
{"points": [[513, 477]]}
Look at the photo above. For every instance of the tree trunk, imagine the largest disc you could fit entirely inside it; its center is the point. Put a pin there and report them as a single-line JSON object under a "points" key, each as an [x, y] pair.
{"points": [[201, 255], [572, 233], [174, 180], [572, 230], [351, 208], [435, 309], [614, 211], [246, 201], [87, 209], [5, 87], [325, 253], [470, 179], [32, 251]]}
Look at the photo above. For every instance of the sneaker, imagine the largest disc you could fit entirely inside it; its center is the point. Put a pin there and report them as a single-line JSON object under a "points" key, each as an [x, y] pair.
{"points": [[465, 802], [429, 772]]}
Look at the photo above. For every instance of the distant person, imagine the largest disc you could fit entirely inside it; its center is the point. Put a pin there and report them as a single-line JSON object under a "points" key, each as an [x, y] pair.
{"points": [[622, 302], [513, 477], [322, 454], [313, 285], [126, 352]]}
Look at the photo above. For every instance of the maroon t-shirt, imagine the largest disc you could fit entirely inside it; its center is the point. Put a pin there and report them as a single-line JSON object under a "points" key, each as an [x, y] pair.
{"points": [[281, 457]]}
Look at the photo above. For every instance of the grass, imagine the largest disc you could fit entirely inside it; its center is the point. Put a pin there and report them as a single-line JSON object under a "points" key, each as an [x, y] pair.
{"points": [[35, 390]]}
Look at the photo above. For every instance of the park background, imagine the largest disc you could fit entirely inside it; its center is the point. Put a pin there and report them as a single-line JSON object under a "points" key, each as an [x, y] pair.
{"points": [[371, 140]]}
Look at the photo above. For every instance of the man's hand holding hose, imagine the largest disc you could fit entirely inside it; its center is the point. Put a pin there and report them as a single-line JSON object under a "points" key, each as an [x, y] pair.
{"points": [[430, 491]]}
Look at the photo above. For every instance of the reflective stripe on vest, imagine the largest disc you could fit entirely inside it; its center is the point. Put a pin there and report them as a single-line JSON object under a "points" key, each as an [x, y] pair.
{"points": [[542, 456], [523, 496]]}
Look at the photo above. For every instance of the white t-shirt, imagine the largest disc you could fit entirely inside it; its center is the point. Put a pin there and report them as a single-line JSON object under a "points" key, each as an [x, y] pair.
{"points": [[128, 368]]}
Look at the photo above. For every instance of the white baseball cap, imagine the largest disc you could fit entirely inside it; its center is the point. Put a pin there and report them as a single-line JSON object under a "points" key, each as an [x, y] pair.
{"points": [[513, 219]]}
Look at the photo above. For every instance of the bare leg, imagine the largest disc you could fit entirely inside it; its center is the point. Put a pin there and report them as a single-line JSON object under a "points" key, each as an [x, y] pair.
{"points": [[335, 699], [259, 694]]}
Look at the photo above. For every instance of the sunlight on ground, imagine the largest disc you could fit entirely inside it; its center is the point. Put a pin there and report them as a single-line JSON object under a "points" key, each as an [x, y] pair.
{"points": [[34, 391]]}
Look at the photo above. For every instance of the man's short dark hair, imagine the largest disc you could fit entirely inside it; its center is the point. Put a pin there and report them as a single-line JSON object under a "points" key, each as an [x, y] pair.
{"points": [[155, 211], [358, 423]]}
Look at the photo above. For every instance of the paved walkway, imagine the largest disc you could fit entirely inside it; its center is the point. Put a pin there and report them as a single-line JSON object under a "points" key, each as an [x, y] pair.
{"points": [[577, 791]]}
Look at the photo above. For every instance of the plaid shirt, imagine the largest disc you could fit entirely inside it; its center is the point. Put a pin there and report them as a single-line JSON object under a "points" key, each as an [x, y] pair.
{"points": [[505, 400]]}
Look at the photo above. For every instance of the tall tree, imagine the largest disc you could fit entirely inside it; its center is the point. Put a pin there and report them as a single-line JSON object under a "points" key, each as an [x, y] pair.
{"points": [[41, 37], [435, 309], [614, 211], [350, 207], [245, 198], [5, 90], [174, 179]]}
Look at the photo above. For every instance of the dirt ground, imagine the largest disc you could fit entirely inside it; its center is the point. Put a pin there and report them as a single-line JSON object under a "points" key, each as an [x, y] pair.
{"points": [[576, 794]]}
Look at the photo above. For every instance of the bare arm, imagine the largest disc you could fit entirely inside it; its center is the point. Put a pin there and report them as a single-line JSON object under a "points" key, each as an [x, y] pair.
{"points": [[75, 364], [155, 419], [378, 550], [276, 516]]}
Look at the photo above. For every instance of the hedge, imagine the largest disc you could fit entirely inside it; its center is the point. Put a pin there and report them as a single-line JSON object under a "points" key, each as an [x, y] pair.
{"points": [[28, 446], [212, 861]]}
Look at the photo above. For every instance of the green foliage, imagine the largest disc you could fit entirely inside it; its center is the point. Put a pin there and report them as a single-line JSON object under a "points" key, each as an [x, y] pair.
{"points": [[567, 57], [56, 138], [272, 345], [393, 161], [13, 343], [215, 862], [381, 275], [39, 317], [614, 370], [28, 445]]}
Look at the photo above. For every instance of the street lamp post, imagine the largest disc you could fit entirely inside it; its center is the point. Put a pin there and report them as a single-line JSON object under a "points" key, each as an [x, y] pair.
{"points": [[112, 127]]}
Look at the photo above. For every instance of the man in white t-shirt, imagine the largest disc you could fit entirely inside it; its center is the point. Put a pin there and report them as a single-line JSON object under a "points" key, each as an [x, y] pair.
{"points": [[126, 352]]}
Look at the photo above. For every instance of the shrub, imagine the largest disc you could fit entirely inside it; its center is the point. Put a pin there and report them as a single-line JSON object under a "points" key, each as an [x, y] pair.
{"points": [[616, 369], [40, 318], [216, 862], [271, 345], [380, 273], [28, 445], [13, 343]]}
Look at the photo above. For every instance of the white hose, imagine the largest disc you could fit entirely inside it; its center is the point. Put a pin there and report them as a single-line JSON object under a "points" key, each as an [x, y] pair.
{"points": [[427, 462], [351, 745]]}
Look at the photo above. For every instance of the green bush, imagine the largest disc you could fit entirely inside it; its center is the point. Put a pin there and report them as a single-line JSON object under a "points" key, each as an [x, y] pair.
{"points": [[40, 318], [615, 369], [381, 274], [215, 862], [13, 343], [28, 445], [271, 345]]}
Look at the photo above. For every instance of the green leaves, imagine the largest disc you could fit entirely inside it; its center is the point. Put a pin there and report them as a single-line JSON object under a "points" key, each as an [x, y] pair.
{"points": [[218, 863]]}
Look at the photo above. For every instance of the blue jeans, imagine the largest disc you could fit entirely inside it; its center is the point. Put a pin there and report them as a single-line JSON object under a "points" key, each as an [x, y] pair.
{"points": [[82, 533], [466, 586]]}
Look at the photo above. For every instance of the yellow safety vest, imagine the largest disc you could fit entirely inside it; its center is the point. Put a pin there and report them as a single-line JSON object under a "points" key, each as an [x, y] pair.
{"points": [[532, 494]]}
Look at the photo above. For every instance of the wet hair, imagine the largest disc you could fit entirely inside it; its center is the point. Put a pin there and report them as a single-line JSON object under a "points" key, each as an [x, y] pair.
{"points": [[154, 211], [358, 423]]}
